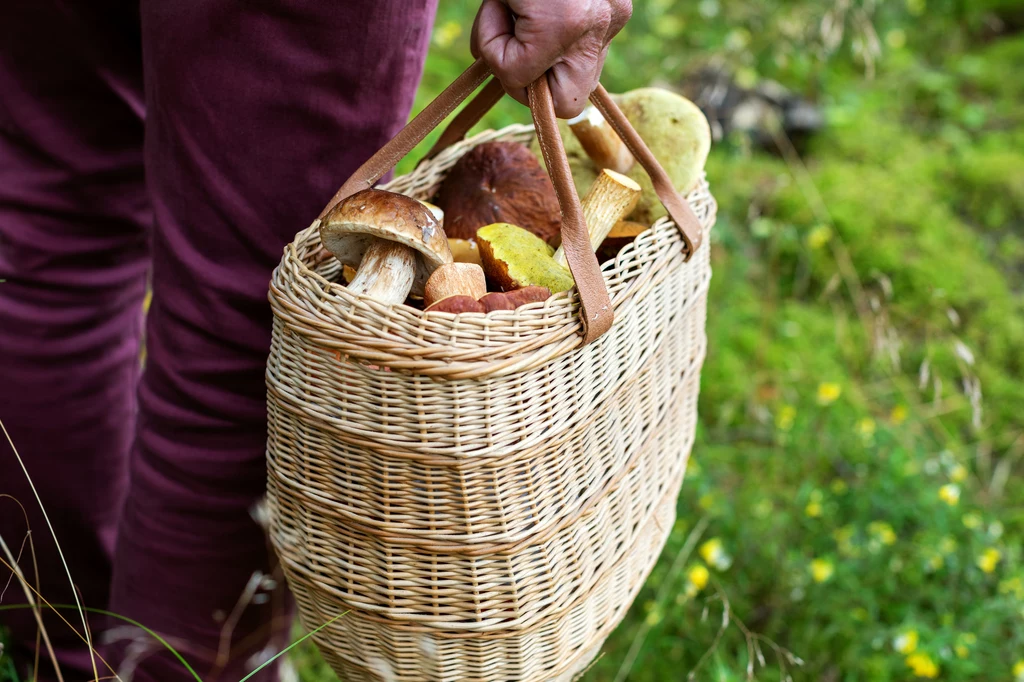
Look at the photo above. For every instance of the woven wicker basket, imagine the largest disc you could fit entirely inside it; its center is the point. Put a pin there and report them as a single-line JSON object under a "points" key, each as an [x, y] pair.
{"points": [[481, 496]]}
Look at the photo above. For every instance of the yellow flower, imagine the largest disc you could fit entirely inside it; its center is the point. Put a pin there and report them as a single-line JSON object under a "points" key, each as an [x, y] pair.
{"points": [[906, 642], [950, 494], [819, 236], [866, 428], [828, 392], [898, 415], [447, 33], [822, 570], [935, 562], [813, 509], [922, 665], [882, 532], [947, 545], [971, 520], [706, 501], [696, 579], [838, 486], [964, 643], [1018, 671], [958, 474], [961, 651], [989, 559], [785, 418], [714, 554]]}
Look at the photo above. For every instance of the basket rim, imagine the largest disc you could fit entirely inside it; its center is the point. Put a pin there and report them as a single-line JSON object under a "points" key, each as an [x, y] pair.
{"points": [[470, 345]]}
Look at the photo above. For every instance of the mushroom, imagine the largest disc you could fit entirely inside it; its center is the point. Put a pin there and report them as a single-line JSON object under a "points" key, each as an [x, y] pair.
{"points": [[455, 279], [601, 143], [611, 198], [393, 241], [510, 300], [622, 233], [457, 305], [499, 182], [515, 258], [464, 251]]}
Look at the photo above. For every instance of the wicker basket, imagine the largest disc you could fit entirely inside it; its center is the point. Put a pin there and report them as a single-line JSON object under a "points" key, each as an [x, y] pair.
{"points": [[481, 496]]}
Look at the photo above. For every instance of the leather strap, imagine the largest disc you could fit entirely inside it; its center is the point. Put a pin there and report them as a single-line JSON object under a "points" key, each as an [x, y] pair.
{"points": [[597, 310], [597, 306], [412, 134], [468, 117], [678, 208]]}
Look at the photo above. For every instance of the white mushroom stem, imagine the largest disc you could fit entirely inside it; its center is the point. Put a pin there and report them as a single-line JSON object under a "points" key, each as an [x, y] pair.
{"points": [[386, 272], [601, 143], [611, 198]]}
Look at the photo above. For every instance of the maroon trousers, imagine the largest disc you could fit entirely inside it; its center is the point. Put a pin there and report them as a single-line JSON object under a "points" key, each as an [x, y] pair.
{"points": [[183, 142]]}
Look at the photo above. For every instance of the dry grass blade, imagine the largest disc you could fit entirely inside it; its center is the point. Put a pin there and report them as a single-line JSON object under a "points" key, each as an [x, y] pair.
{"points": [[36, 611], [56, 542]]}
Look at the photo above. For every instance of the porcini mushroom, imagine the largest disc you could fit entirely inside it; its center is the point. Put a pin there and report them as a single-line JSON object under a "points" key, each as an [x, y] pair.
{"points": [[610, 199], [499, 182], [464, 251], [601, 143], [515, 258], [393, 241], [622, 233], [455, 279], [457, 305], [510, 300]]}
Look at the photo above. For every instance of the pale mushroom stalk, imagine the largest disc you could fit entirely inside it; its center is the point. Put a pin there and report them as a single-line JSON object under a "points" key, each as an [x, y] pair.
{"points": [[386, 272], [394, 242], [611, 198], [601, 143]]}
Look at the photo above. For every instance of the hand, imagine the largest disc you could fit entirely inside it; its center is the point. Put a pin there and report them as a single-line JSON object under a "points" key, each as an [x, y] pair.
{"points": [[521, 39]]}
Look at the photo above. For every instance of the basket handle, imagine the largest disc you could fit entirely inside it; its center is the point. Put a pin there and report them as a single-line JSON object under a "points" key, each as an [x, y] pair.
{"points": [[597, 313], [678, 208]]}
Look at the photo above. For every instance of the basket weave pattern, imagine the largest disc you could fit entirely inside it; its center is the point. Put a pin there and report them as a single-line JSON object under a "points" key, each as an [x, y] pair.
{"points": [[480, 496]]}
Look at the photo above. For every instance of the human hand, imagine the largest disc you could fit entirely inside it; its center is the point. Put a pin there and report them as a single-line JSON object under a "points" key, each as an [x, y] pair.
{"points": [[521, 39]]}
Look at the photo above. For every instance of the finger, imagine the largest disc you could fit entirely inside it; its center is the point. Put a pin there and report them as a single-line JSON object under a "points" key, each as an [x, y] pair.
{"points": [[622, 10], [494, 19], [518, 51], [572, 80]]}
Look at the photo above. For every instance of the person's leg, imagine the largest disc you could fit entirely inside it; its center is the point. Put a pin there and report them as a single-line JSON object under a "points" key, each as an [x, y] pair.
{"points": [[257, 112], [73, 258]]}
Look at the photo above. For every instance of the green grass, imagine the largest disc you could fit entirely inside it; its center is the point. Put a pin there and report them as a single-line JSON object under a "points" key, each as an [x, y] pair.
{"points": [[856, 481]]}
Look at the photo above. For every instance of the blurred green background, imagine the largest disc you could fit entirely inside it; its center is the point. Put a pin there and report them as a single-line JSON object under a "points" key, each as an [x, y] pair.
{"points": [[854, 506], [859, 457]]}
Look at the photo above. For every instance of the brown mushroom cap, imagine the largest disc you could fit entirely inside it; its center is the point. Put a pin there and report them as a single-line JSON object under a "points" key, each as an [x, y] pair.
{"points": [[351, 226], [499, 182]]}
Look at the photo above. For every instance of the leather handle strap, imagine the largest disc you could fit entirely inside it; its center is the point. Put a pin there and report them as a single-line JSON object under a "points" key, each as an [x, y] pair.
{"points": [[597, 310], [597, 306], [468, 117], [678, 208], [412, 134]]}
